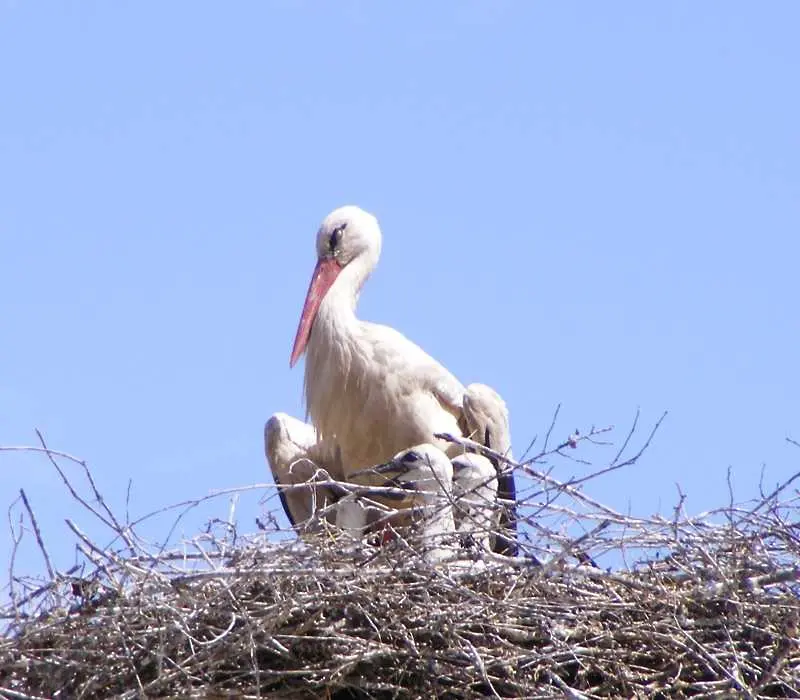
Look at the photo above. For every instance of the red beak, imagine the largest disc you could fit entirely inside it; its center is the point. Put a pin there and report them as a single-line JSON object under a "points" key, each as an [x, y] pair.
{"points": [[325, 274]]}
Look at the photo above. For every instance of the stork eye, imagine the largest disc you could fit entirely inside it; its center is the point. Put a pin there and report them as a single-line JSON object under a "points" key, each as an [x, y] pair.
{"points": [[412, 457], [336, 237]]}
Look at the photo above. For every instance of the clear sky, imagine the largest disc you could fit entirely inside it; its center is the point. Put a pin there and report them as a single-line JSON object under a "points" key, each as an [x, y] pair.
{"points": [[588, 204]]}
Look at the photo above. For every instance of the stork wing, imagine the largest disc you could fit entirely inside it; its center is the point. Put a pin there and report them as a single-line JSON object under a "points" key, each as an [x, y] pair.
{"points": [[295, 457], [398, 354], [486, 419]]}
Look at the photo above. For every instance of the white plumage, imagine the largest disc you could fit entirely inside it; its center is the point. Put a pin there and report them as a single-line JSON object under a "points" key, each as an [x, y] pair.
{"points": [[426, 518], [367, 387], [370, 392], [475, 499], [299, 460]]}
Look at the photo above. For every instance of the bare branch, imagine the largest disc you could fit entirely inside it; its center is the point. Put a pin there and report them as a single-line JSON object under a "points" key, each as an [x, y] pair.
{"points": [[37, 533]]}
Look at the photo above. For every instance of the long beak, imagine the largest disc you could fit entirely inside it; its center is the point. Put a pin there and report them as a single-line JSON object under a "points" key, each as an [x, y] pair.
{"points": [[387, 468], [325, 274]]}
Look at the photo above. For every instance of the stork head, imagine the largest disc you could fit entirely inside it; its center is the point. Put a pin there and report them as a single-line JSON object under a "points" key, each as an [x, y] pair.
{"points": [[425, 476], [423, 468], [346, 233], [471, 471], [346, 236]]}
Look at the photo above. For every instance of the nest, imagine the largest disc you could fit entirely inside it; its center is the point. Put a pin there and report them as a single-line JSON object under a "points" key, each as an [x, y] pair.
{"points": [[700, 607]]}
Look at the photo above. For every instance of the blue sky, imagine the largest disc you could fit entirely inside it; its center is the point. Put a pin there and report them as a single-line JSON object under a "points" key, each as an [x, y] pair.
{"points": [[593, 205]]}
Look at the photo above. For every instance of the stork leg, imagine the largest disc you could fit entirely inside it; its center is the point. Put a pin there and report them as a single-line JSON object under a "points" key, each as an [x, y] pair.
{"points": [[486, 418]]}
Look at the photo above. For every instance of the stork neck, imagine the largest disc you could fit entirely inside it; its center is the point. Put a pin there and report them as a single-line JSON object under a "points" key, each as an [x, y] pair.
{"points": [[342, 298]]}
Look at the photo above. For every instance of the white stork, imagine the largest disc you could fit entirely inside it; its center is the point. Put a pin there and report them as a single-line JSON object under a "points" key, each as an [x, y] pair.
{"points": [[425, 474], [367, 386], [369, 390], [475, 499]]}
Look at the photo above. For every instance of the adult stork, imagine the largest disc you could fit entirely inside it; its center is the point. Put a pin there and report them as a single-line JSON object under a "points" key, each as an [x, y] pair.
{"points": [[369, 389]]}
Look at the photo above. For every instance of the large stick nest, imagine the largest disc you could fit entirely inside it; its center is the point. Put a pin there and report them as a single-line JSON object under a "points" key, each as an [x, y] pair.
{"points": [[691, 607]]}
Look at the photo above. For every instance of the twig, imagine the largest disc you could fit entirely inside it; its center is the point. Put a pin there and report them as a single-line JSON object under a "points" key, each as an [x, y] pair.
{"points": [[38, 534], [112, 521], [550, 428], [19, 696], [16, 538]]}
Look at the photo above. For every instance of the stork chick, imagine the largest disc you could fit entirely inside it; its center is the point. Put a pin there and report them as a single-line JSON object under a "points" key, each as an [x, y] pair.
{"points": [[475, 499], [426, 473]]}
